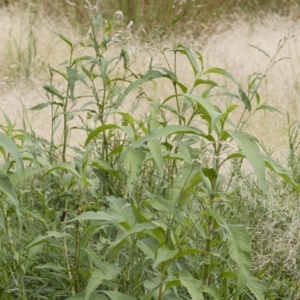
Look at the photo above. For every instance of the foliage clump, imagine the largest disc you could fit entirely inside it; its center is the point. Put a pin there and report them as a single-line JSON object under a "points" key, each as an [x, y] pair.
{"points": [[146, 207]]}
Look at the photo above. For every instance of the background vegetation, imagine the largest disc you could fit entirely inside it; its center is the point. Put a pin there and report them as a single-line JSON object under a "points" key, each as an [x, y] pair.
{"points": [[163, 197], [198, 16]]}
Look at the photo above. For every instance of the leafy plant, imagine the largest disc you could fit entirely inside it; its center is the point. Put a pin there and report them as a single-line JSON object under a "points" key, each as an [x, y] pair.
{"points": [[145, 209]]}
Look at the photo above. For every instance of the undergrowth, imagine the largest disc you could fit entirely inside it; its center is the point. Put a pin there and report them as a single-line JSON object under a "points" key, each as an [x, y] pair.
{"points": [[155, 205]]}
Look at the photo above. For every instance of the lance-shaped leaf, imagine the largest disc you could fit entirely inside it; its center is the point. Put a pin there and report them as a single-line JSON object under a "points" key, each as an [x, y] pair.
{"points": [[106, 271], [164, 254], [9, 145], [193, 286], [240, 251], [243, 95], [165, 131], [135, 159], [279, 170], [249, 148], [256, 287], [7, 188], [189, 54], [156, 152], [118, 296], [211, 110]]}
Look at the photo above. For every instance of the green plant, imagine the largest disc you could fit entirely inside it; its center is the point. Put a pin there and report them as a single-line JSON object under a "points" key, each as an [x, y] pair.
{"points": [[145, 210]]}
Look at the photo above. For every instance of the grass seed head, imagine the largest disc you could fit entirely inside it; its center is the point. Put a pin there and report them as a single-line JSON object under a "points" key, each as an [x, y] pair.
{"points": [[118, 15]]}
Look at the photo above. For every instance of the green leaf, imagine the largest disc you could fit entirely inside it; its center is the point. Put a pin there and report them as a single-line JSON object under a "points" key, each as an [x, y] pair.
{"points": [[23, 174], [148, 76], [99, 215], [44, 238], [118, 296], [240, 251], [187, 51], [249, 148], [106, 272], [134, 158], [155, 149], [137, 228], [98, 130], [9, 145], [203, 81], [260, 50], [159, 203], [64, 166], [164, 254], [104, 64], [51, 90], [165, 131], [279, 170], [63, 38], [193, 286], [223, 72], [256, 287], [245, 99], [95, 296], [40, 106], [269, 108], [212, 291], [72, 77], [7, 188], [51, 266], [188, 176], [149, 246], [97, 22], [173, 77], [213, 113]]}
